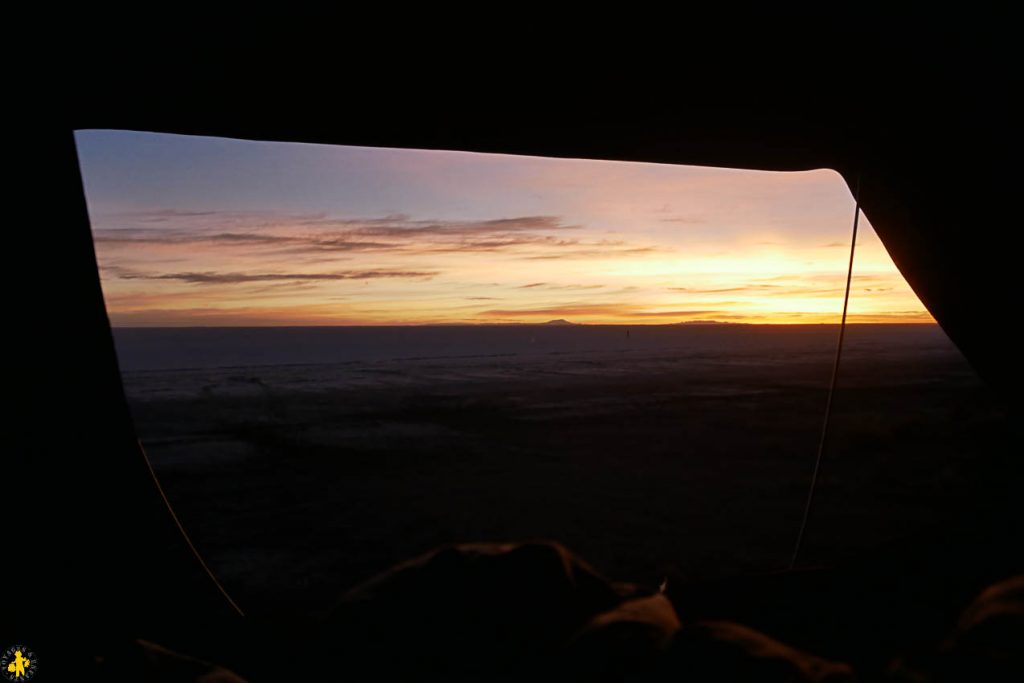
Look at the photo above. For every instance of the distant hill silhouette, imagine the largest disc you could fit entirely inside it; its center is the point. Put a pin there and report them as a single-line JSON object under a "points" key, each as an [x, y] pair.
{"points": [[560, 321]]}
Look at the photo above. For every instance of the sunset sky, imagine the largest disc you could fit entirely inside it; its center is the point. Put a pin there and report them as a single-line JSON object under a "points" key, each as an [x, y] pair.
{"points": [[211, 231]]}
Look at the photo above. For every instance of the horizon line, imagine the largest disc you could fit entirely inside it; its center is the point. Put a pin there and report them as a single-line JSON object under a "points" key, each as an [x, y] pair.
{"points": [[694, 323]]}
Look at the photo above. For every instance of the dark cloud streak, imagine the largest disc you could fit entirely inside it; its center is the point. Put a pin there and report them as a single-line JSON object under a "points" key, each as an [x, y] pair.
{"points": [[393, 234], [207, 277]]}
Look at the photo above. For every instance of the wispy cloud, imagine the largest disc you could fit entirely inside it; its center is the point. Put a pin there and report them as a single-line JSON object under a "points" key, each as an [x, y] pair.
{"points": [[537, 237], [607, 251], [718, 290], [204, 278], [684, 220], [149, 236]]}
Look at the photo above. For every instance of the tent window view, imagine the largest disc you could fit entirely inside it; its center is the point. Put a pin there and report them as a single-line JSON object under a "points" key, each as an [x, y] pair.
{"points": [[338, 358]]}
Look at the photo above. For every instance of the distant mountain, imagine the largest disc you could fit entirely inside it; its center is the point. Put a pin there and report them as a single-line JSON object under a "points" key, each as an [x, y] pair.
{"points": [[560, 321]]}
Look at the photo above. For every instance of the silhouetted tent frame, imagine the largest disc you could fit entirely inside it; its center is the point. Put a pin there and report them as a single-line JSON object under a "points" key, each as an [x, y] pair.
{"points": [[919, 113]]}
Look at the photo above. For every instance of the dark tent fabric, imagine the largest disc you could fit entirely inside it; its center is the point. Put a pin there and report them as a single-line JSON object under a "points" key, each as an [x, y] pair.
{"points": [[918, 115]]}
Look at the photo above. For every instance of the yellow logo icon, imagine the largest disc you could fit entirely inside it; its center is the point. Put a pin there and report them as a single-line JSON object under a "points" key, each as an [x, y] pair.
{"points": [[18, 663], [17, 667]]}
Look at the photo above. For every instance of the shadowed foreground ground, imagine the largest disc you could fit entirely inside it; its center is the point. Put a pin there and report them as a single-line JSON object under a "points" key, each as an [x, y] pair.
{"points": [[299, 481]]}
